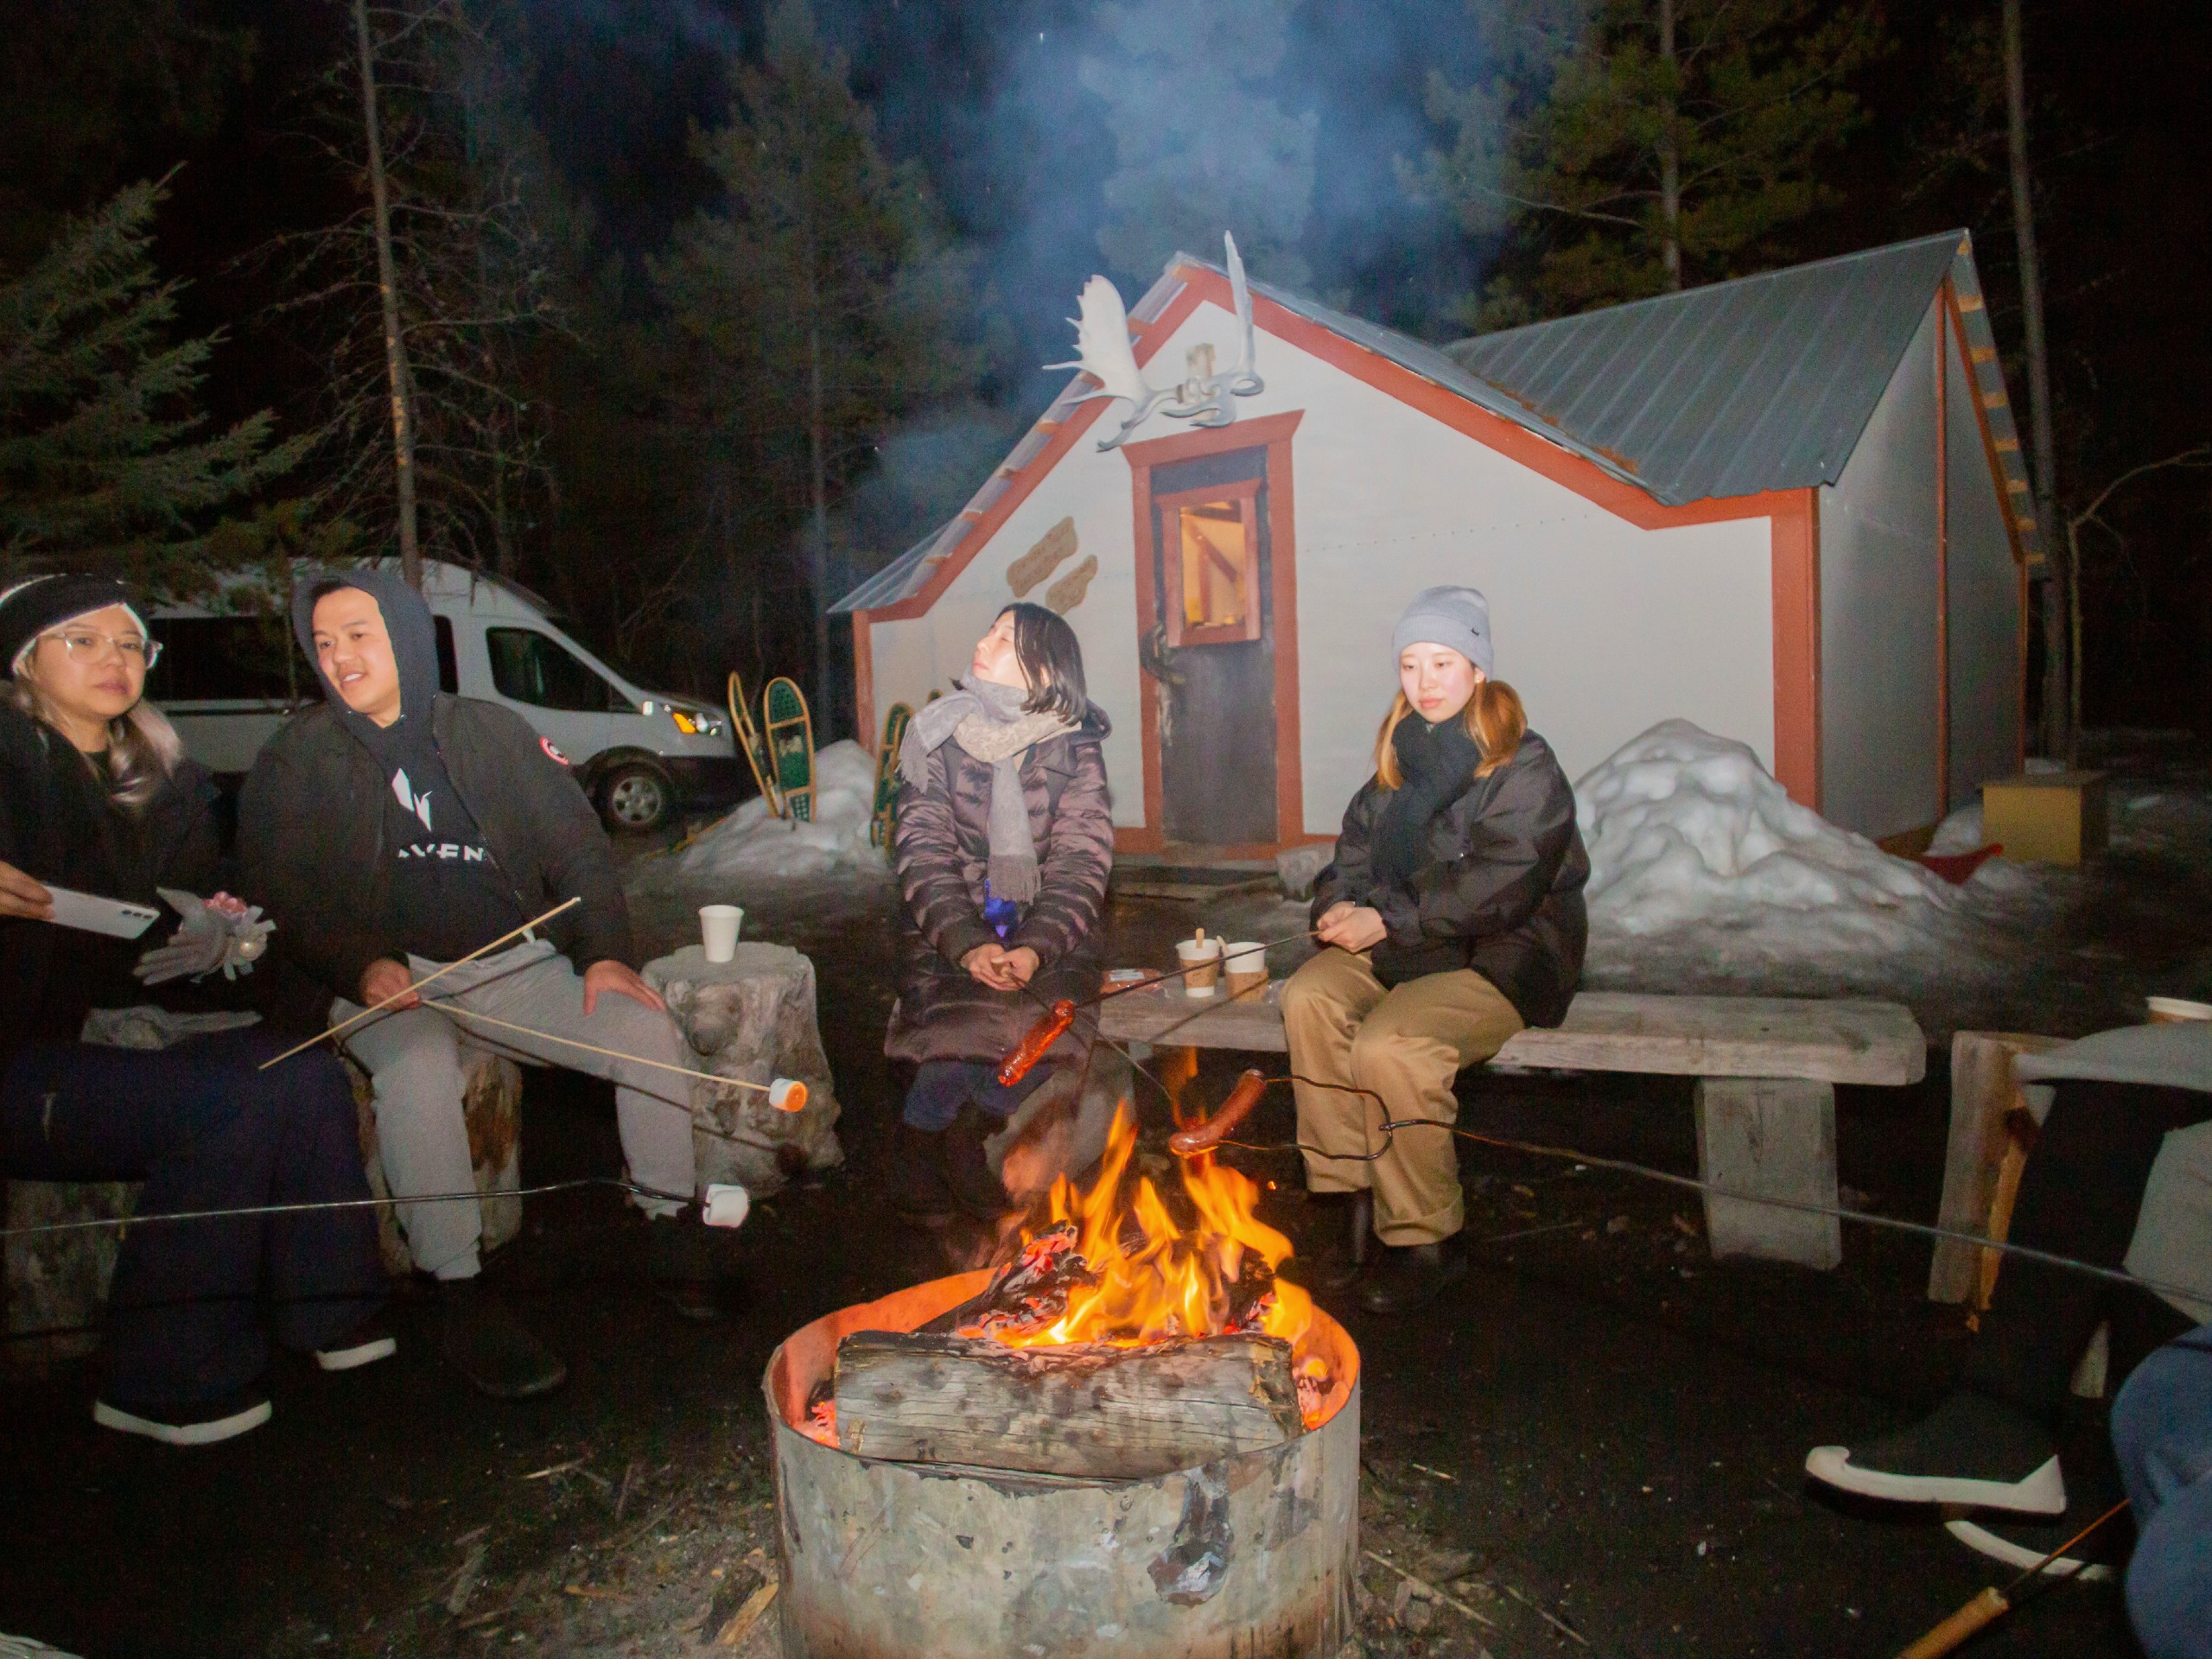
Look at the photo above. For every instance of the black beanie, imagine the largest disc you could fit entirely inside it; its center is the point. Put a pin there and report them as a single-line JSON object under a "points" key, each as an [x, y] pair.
{"points": [[29, 608]]}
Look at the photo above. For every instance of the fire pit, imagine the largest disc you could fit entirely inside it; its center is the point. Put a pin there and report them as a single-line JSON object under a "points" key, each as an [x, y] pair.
{"points": [[970, 1538]]}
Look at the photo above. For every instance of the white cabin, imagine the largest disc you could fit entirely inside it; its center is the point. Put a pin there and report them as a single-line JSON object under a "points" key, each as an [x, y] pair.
{"points": [[1790, 508]]}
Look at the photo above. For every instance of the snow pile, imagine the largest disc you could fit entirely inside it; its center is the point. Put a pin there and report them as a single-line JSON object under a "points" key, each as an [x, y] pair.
{"points": [[1693, 841], [753, 842]]}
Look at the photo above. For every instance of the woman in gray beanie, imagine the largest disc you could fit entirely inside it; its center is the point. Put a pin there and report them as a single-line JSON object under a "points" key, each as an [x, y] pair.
{"points": [[1452, 917]]}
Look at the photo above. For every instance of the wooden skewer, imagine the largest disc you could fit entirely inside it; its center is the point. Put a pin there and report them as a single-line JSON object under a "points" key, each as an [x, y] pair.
{"points": [[481, 950], [785, 1094], [1993, 1604]]}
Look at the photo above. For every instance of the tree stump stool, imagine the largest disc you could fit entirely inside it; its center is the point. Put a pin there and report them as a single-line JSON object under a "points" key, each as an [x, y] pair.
{"points": [[57, 1282], [752, 1019], [492, 1102]]}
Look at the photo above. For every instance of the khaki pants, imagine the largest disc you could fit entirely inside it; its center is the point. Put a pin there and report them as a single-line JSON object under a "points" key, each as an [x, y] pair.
{"points": [[1406, 1045]]}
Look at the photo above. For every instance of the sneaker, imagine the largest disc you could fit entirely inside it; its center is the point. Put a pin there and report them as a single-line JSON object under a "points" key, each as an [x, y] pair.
{"points": [[1408, 1276], [201, 1423], [683, 1259], [2020, 1543], [1974, 1451], [484, 1342], [365, 1344]]}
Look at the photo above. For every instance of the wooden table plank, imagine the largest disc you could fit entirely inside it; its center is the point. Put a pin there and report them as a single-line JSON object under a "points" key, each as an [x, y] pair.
{"points": [[1820, 1040], [1155, 1015]]}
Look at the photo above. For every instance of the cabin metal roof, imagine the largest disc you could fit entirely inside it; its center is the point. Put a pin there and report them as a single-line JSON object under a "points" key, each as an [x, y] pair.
{"points": [[1762, 383]]}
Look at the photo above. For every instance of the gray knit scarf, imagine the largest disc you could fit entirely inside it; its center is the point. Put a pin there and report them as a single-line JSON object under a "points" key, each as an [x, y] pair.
{"points": [[988, 722]]}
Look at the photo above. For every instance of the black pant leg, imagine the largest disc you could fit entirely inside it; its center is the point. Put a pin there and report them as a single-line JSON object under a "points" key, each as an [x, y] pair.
{"points": [[325, 1274], [205, 1129], [2079, 1197]]}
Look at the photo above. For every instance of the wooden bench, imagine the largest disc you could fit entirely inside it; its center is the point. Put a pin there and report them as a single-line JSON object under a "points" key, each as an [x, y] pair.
{"points": [[1766, 1067]]}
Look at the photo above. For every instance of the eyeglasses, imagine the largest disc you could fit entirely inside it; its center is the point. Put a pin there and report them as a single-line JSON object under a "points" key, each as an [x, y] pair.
{"points": [[84, 645]]}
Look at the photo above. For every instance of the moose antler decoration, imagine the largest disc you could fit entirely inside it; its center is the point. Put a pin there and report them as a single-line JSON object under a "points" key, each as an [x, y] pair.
{"points": [[1101, 338]]}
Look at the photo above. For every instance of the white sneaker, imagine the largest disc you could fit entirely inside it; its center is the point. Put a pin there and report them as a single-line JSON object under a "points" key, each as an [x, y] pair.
{"points": [[188, 1424]]}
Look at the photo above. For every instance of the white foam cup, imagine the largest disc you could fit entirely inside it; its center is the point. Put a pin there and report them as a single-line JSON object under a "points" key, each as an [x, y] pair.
{"points": [[2178, 1011], [718, 925]]}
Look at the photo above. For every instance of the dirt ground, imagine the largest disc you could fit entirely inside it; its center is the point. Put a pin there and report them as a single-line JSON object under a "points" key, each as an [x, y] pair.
{"points": [[1594, 1445]]}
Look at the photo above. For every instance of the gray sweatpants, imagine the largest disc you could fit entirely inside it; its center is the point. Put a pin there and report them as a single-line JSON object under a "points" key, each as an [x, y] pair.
{"points": [[414, 1056]]}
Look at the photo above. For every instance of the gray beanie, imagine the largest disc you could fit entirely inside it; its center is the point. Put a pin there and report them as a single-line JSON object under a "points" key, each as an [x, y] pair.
{"points": [[1457, 617]]}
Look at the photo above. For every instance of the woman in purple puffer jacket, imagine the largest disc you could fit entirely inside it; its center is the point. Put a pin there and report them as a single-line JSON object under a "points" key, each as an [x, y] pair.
{"points": [[1004, 839]]}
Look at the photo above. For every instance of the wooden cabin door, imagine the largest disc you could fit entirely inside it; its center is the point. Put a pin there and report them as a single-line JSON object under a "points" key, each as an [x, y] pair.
{"points": [[1211, 650]]}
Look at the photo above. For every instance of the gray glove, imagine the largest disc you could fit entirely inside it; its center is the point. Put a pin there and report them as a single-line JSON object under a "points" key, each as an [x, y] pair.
{"points": [[231, 936]]}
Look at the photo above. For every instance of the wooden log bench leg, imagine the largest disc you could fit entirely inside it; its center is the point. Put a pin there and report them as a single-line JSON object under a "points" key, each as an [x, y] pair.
{"points": [[1776, 1136]]}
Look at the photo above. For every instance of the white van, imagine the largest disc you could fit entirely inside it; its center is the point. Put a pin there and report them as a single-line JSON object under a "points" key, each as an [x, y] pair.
{"points": [[226, 681]]}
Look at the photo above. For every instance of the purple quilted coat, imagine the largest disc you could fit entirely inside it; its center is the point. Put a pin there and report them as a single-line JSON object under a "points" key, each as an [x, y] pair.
{"points": [[942, 846]]}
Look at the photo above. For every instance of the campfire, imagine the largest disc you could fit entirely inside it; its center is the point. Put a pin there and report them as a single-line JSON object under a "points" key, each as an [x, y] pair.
{"points": [[1107, 1275], [1127, 1439]]}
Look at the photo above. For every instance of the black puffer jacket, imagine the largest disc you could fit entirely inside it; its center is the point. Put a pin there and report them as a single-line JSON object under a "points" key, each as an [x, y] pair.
{"points": [[942, 842], [1500, 892], [58, 825], [311, 830]]}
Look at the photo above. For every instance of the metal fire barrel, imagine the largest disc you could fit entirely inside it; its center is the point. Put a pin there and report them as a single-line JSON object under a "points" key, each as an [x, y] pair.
{"points": [[1251, 1557]]}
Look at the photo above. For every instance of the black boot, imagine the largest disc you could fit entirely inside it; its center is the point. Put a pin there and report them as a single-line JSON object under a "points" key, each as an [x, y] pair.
{"points": [[1412, 1275], [686, 1262], [919, 1193], [1345, 1264], [484, 1342], [968, 1171]]}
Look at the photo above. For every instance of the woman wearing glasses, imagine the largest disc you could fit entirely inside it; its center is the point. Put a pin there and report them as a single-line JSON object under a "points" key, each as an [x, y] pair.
{"points": [[98, 797]]}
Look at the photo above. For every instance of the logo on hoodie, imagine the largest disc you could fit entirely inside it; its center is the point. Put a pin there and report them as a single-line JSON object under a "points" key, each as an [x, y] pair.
{"points": [[418, 804], [546, 744]]}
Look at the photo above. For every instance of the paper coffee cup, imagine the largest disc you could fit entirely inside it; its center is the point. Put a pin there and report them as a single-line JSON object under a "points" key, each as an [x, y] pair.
{"points": [[2178, 1011], [1245, 963], [718, 925], [1202, 958]]}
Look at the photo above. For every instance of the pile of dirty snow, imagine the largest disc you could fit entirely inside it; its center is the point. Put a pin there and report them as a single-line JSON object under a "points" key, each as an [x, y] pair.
{"points": [[753, 842], [1692, 843]]}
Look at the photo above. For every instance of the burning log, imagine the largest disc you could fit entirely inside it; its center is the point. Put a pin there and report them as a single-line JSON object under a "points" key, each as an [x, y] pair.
{"points": [[1090, 1409]]}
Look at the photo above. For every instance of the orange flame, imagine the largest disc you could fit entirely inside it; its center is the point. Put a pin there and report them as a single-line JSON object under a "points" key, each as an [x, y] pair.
{"points": [[1155, 1279]]}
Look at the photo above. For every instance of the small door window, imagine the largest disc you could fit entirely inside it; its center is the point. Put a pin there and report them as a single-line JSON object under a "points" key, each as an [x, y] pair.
{"points": [[531, 668], [1217, 547]]}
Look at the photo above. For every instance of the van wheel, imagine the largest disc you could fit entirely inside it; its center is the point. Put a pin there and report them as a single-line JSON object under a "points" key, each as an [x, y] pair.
{"points": [[636, 799]]}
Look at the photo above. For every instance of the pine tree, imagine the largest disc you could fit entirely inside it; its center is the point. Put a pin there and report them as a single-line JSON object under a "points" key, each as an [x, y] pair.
{"points": [[1635, 147], [1200, 145], [822, 290], [104, 464]]}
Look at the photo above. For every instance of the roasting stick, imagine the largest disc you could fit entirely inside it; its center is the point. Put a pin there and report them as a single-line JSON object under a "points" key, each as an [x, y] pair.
{"points": [[1993, 1604], [481, 951], [785, 1094]]}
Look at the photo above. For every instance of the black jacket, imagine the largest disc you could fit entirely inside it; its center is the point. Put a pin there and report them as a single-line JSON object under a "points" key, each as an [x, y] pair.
{"points": [[311, 839], [58, 825], [1501, 890]]}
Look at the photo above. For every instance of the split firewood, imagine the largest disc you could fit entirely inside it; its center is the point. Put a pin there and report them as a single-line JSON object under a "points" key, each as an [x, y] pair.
{"points": [[1028, 1294], [1086, 1410]]}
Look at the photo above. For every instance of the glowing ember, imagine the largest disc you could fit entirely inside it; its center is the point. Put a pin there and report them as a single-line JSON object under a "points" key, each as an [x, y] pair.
{"points": [[1112, 1264]]}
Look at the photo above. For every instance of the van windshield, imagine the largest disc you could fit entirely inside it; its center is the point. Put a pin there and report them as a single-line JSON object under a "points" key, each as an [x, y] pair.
{"points": [[528, 667]]}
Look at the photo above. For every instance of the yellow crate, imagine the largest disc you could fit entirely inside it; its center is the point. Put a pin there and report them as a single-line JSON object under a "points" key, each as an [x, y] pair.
{"points": [[2048, 817]]}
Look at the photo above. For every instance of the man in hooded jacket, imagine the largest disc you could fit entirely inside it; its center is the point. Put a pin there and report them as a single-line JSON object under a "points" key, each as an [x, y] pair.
{"points": [[397, 829]]}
